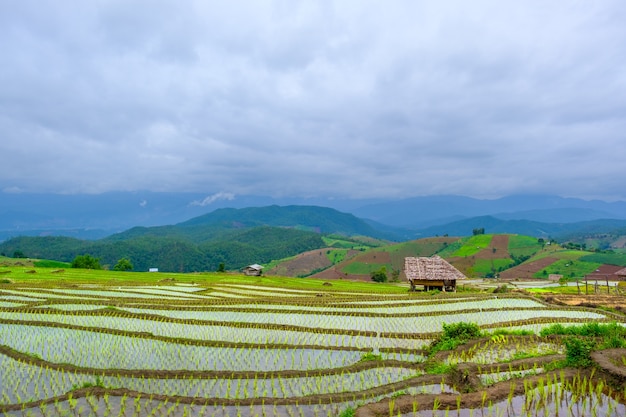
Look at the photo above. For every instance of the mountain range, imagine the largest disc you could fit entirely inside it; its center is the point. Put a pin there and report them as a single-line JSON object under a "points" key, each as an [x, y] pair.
{"points": [[98, 216]]}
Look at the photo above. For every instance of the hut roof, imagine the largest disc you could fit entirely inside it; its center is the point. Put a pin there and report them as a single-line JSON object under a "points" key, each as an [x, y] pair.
{"points": [[434, 268]]}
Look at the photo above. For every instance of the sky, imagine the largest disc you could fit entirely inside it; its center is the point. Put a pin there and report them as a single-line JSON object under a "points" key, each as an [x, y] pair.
{"points": [[343, 99]]}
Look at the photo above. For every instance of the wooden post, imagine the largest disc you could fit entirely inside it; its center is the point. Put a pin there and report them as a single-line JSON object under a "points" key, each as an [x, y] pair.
{"points": [[578, 286], [608, 289], [586, 288]]}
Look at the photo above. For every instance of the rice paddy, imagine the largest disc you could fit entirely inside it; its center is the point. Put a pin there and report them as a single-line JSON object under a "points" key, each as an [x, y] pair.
{"points": [[237, 346]]}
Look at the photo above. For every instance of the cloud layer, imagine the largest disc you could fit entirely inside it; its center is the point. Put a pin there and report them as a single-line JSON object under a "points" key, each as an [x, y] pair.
{"points": [[314, 98]]}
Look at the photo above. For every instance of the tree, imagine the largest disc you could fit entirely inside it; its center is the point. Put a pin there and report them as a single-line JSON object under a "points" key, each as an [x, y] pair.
{"points": [[123, 264], [221, 267], [395, 275], [86, 262], [478, 231], [380, 275], [19, 254]]}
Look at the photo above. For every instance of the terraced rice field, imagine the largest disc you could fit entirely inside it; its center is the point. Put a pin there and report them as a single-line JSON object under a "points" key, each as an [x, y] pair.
{"points": [[239, 349]]}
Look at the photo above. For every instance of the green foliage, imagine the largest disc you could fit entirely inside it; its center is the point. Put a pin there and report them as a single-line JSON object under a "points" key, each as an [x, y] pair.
{"points": [[123, 264], [461, 330], [221, 267], [490, 267], [453, 335], [19, 254], [613, 258], [86, 262], [592, 329], [51, 264], [361, 268], [176, 251], [512, 332], [478, 231], [578, 352], [526, 246], [380, 275], [336, 255], [438, 368], [451, 248], [370, 356], [348, 412], [584, 339], [502, 289], [473, 245], [569, 267]]}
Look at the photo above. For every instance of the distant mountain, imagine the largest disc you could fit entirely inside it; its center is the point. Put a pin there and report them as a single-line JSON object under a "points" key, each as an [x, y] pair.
{"points": [[77, 215], [235, 237], [94, 216], [318, 219], [431, 210], [492, 224]]}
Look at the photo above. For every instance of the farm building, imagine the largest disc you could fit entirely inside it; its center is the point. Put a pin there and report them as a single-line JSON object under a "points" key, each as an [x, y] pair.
{"points": [[433, 273], [253, 270]]}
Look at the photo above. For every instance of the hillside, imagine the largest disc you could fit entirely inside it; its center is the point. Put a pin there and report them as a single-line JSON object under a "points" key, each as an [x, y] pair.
{"points": [[362, 263], [235, 237], [506, 256]]}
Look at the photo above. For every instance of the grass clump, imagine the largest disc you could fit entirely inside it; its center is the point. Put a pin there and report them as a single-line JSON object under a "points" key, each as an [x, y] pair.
{"points": [[593, 329], [584, 339], [369, 356], [439, 368], [453, 335], [348, 412]]}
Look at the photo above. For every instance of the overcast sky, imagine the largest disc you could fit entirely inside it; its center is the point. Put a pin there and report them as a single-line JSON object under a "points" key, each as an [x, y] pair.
{"points": [[342, 98]]}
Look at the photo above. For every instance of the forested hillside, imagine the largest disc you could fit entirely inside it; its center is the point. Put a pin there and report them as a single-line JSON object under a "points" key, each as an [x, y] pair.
{"points": [[234, 237], [247, 246]]}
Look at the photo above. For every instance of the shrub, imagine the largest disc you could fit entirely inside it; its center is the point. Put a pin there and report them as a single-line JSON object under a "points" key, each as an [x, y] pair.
{"points": [[453, 335], [348, 412], [86, 262], [501, 289], [123, 264], [380, 275], [578, 352], [461, 330]]}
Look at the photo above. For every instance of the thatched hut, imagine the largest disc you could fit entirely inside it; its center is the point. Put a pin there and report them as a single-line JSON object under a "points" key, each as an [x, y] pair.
{"points": [[433, 273], [253, 270]]}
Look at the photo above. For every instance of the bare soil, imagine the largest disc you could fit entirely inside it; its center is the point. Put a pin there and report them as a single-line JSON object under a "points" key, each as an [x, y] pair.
{"points": [[616, 302], [500, 243], [527, 270]]}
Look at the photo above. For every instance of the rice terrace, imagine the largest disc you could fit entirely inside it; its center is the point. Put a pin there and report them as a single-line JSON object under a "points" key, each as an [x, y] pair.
{"points": [[104, 343]]}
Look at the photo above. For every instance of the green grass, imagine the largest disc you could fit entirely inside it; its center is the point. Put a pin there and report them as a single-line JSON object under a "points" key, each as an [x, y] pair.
{"points": [[561, 254], [473, 245], [606, 258], [336, 255], [569, 268], [557, 290], [484, 266], [52, 264], [362, 268], [104, 277], [520, 245]]}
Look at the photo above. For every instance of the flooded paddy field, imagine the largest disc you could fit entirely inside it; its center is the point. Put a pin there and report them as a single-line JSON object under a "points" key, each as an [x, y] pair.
{"points": [[238, 349]]}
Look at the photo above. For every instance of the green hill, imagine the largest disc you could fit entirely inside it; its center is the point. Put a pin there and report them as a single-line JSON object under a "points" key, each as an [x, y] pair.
{"points": [[235, 237]]}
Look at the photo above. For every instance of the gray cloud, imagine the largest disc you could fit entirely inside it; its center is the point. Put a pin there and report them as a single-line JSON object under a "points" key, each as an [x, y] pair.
{"points": [[308, 98]]}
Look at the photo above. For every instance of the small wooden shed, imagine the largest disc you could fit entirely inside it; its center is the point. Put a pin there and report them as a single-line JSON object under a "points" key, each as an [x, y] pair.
{"points": [[253, 270], [432, 272]]}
